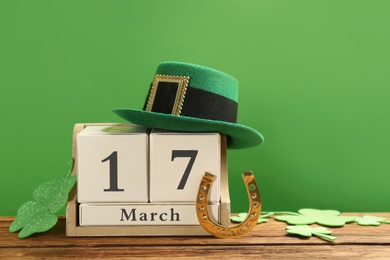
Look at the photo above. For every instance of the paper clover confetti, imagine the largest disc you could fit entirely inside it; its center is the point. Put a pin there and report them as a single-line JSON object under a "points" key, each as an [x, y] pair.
{"points": [[371, 220], [40, 214], [329, 218], [305, 217], [307, 231], [242, 216]]}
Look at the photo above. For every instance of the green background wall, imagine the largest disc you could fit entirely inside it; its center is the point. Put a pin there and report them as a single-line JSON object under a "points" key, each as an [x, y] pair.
{"points": [[314, 80]]}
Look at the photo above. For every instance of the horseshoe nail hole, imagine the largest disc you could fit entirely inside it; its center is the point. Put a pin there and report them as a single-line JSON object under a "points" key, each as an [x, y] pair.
{"points": [[256, 205], [201, 197], [204, 216], [204, 187], [253, 215], [201, 208], [252, 187], [254, 195]]}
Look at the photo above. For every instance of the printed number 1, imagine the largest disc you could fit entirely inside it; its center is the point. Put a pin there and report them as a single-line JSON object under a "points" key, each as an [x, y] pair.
{"points": [[113, 158], [185, 153]]}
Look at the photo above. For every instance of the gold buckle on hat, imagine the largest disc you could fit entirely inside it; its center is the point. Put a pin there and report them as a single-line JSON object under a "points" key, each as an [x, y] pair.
{"points": [[182, 82]]}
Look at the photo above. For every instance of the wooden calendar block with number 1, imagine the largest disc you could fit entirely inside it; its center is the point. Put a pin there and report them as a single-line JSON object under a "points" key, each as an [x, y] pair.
{"points": [[112, 164]]}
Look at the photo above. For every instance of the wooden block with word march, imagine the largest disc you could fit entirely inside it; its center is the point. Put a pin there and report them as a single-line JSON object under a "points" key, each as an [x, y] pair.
{"points": [[141, 214], [112, 164], [178, 162]]}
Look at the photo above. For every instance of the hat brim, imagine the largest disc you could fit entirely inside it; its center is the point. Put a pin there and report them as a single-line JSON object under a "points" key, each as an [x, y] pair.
{"points": [[239, 136]]}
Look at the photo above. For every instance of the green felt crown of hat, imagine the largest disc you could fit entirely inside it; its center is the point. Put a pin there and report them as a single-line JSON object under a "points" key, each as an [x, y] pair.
{"points": [[192, 98]]}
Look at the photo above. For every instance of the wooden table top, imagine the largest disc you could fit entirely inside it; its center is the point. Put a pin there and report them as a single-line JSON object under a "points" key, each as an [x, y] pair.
{"points": [[265, 241]]}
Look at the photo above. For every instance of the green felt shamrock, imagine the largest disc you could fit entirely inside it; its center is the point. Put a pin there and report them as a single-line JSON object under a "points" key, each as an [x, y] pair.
{"points": [[307, 231], [371, 220], [242, 216], [40, 214], [329, 218]]}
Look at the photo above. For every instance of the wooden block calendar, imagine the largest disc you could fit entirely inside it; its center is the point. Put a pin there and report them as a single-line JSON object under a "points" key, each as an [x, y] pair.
{"points": [[132, 182]]}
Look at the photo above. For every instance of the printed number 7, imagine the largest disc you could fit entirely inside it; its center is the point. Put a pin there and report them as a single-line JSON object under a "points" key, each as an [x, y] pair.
{"points": [[185, 153]]}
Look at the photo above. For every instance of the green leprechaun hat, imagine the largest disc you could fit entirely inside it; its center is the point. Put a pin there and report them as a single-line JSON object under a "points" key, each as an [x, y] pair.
{"points": [[193, 98]]}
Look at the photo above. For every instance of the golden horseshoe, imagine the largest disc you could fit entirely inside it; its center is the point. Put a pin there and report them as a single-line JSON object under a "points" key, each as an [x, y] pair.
{"points": [[228, 232]]}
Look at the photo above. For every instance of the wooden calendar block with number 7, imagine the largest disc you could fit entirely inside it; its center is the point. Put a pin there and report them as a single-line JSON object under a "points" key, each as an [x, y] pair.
{"points": [[178, 162], [135, 183]]}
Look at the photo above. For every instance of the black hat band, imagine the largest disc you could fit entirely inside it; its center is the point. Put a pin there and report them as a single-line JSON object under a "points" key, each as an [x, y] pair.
{"points": [[172, 95]]}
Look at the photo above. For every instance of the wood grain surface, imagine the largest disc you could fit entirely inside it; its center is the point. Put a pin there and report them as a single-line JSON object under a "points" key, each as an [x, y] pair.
{"points": [[265, 241]]}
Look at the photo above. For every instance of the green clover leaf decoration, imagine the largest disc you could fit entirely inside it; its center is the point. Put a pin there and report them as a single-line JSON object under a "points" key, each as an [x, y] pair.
{"points": [[305, 217], [242, 216], [40, 214], [329, 218], [371, 220], [307, 231]]}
